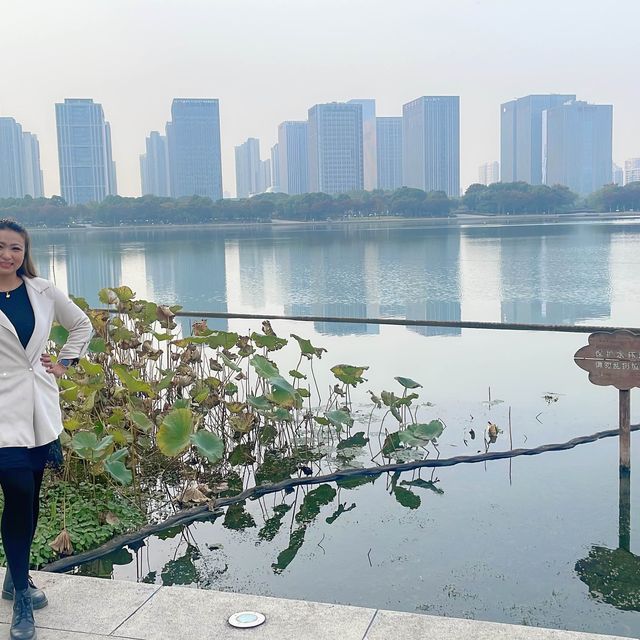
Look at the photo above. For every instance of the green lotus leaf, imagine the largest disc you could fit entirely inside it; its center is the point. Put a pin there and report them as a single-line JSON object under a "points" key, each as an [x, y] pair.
{"points": [[349, 374], [175, 431], [131, 382], [141, 420], [283, 394], [271, 343], [408, 383], [339, 418], [356, 440], [260, 403], [391, 444], [115, 467], [124, 293], [97, 345], [264, 368], [426, 431], [242, 455], [307, 348], [222, 339], [230, 363], [209, 444], [91, 368], [58, 335]]}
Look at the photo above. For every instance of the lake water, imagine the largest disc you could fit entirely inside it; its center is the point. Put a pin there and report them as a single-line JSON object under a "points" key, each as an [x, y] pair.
{"points": [[497, 541]]}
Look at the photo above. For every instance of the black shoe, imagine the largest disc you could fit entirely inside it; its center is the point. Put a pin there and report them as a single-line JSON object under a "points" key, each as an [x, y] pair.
{"points": [[38, 597], [23, 626]]}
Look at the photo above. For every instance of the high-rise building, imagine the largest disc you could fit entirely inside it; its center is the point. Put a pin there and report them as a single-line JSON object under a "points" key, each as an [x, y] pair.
{"points": [[617, 175], [335, 148], [33, 182], [577, 146], [521, 136], [193, 138], [87, 170], [293, 153], [11, 159], [488, 173], [248, 168], [265, 175], [632, 170], [20, 173], [389, 153], [369, 144], [275, 167], [154, 166], [431, 144]]}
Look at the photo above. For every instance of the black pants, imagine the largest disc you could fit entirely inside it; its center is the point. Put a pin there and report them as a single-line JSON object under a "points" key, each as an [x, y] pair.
{"points": [[21, 489]]}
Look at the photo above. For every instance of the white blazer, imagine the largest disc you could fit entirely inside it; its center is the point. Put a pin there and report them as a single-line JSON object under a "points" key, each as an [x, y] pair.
{"points": [[29, 403]]}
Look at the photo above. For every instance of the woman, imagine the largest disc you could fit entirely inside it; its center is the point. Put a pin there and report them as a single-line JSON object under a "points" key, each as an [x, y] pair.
{"points": [[30, 419]]}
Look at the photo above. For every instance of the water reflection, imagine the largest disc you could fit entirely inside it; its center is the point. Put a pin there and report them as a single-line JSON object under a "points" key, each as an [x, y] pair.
{"points": [[536, 274], [555, 278], [612, 575]]}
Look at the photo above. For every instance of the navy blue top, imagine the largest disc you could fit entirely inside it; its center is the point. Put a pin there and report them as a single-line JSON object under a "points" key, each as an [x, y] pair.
{"points": [[17, 307]]}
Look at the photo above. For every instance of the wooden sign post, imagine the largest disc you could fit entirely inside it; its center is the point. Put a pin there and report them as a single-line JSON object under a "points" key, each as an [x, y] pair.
{"points": [[613, 359]]}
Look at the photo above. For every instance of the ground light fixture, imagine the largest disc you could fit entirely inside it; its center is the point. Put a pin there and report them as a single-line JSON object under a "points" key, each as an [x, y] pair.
{"points": [[246, 619]]}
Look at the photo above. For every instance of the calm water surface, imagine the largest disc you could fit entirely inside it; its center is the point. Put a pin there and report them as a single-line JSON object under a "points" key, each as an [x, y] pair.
{"points": [[496, 541]]}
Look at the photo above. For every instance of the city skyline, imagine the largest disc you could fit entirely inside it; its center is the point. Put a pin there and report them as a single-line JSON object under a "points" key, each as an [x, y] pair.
{"points": [[534, 147], [307, 57]]}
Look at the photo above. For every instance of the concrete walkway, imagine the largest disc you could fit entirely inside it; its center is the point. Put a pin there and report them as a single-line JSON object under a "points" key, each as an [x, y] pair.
{"points": [[94, 609]]}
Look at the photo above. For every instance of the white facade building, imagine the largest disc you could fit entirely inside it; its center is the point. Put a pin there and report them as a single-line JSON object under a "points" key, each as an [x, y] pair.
{"points": [[389, 153], [632, 170], [20, 172], [521, 136], [577, 146], [488, 173], [335, 148], [87, 170], [369, 143], [249, 170], [193, 139], [293, 156], [33, 179], [275, 167], [154, 166], [431, 144]]}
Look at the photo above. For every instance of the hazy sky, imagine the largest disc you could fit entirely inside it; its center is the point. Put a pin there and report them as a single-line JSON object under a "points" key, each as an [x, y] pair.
{"points": [[269, 60]]}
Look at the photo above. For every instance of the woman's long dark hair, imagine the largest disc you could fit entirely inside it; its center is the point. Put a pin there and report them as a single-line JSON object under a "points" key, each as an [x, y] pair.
{"points": [[27, 268]]}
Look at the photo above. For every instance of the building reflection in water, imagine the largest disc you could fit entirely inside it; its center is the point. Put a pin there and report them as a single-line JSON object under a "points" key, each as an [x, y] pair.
{"points": [[435, 257], [90, 266], [182, 267], [556, 274], [559, 277], [332, 276]]}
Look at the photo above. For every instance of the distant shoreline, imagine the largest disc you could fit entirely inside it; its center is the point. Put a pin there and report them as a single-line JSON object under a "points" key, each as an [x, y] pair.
{"points": [[460, 220]]}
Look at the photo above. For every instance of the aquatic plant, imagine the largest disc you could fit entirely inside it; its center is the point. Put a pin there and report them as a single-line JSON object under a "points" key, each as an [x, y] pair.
{"points": [[176, 419]]}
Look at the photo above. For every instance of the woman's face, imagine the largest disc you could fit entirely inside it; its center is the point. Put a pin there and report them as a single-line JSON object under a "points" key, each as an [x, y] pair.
{"points": [[11, 252]]}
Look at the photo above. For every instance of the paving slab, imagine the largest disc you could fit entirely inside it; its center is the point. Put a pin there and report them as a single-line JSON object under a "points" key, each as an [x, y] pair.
{"points": [[57, 634], [178, 612], [84, 608], [392, 624], [88, 605]]}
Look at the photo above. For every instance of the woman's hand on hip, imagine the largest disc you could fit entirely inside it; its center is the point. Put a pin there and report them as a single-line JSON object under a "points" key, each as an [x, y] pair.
{"points": [[57, 369]]}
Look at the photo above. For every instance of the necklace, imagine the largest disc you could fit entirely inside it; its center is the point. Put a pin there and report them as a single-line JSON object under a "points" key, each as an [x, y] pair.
{"points": [[7, 294]]}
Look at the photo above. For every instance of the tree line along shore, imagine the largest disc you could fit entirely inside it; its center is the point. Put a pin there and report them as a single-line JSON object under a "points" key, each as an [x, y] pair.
{"points": [[497, 199]]}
